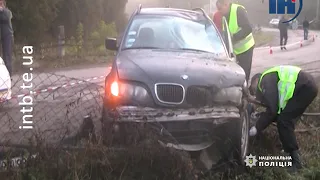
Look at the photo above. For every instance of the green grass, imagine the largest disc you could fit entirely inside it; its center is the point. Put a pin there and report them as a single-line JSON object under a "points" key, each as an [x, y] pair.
{"points": [[263, 38], [52, 61], [309, 142], [151, 161]]}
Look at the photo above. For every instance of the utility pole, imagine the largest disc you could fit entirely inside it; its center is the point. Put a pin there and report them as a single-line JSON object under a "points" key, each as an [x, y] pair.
{"points": [[318, 9]]}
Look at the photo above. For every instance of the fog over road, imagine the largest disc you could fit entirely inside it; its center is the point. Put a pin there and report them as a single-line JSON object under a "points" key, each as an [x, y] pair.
{"points": [[60, 112]]}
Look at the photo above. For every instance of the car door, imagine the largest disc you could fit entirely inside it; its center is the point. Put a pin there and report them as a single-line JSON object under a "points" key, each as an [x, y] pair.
{"points": [[226, 35]]}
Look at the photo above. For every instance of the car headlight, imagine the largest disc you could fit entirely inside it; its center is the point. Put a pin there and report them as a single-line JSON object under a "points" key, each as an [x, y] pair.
{"points": [[128, 91], [232, 94], [140, 93]]}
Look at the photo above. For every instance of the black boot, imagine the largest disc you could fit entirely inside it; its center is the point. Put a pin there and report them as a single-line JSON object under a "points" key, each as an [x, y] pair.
{"points": [[296, 162]]}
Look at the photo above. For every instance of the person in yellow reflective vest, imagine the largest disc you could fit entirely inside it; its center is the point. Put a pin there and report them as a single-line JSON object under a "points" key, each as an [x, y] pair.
{"points": [[286, 91], [241, 32]]}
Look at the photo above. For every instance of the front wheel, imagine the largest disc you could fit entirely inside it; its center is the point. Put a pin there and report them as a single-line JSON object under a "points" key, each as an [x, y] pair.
{"points": [[242, 140], [235, 144]]}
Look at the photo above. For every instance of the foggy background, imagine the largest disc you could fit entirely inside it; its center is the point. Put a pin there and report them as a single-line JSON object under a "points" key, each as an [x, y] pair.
{"points": [[258, 10], [187, 4], [37, 21]]}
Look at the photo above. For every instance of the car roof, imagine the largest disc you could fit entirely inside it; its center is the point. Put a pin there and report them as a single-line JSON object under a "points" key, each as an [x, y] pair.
{"points": [[183, 13]]}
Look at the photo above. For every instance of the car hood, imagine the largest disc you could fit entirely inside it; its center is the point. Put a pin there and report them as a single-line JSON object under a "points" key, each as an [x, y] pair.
{"points": [[157, 66]]}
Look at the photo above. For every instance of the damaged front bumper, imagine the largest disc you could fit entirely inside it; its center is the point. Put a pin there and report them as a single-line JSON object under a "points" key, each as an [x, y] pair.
{"points": [[189, 129], [145, 114]]}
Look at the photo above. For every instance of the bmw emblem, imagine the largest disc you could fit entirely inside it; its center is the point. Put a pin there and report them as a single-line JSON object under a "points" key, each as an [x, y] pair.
{"points": [[184, 77]]}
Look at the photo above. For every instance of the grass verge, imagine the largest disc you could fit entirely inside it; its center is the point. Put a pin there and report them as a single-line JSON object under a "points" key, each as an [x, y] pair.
{"points": [[55, 63], [308, 136], [97, 162], [151, 161], [263, 38]]}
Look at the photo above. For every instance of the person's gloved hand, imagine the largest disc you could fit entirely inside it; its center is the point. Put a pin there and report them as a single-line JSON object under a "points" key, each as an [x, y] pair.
{"points": [[253, 131]]}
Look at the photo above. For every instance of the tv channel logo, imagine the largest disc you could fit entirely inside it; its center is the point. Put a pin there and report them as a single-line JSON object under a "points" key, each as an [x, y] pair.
{"points": [[280, 6]]}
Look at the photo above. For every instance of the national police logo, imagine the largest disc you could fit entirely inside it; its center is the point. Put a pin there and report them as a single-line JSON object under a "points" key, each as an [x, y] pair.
{"points": [[251, 161]]}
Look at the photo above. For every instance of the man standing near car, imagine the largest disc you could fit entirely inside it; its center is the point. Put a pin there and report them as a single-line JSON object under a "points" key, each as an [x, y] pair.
{"points": [[6, 35], [283, 28], [217, 19], [305, 28], [241, 32], [286, 91]]}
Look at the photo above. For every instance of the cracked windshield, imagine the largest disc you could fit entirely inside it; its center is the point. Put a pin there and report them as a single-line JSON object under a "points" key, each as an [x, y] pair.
{"points": [[176, 33]]}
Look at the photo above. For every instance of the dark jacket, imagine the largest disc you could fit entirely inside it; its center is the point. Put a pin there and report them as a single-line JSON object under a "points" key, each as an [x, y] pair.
{"points": [[5, 22], [283, 27], [243, 23], [305, 24], [269, 96]]}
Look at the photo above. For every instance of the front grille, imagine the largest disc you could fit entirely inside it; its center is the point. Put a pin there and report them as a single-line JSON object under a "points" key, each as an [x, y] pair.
{"points": [[170, 93], [198, 96]]}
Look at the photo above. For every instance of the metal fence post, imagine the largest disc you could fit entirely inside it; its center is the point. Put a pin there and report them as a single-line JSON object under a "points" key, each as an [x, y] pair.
{"points": [[318, 9], [61, 42]]}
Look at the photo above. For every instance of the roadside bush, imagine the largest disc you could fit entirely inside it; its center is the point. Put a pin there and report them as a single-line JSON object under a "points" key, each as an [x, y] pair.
{"points": [[75, 44], [94, 45], [98, 37]]}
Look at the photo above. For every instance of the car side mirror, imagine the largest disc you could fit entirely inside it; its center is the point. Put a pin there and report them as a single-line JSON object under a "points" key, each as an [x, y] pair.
{"points": [[111, 44]]}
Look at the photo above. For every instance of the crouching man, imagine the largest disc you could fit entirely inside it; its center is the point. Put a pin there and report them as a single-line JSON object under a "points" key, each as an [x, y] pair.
{"points": [[286, 91]]}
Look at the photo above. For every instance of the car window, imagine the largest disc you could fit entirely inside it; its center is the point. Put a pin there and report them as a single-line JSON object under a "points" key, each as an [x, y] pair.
{"points": [[173, 33]]}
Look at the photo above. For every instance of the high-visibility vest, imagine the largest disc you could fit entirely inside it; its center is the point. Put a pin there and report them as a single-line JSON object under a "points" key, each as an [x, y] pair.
{"points": [[244, 44], [288, 76]]}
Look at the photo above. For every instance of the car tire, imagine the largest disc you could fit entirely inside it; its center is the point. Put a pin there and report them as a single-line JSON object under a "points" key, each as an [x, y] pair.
{"points": [[235, 147], [242, 140]]}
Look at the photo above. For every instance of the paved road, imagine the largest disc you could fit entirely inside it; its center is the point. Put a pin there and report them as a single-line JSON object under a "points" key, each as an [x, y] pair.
{"points": [[65, 107], [307, 57]]}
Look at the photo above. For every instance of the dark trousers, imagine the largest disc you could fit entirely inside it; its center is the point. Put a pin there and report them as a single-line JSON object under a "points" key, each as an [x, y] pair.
{"points": [[245, 61], [283, 38], [7, 45], [295, 107], [305, 32]]}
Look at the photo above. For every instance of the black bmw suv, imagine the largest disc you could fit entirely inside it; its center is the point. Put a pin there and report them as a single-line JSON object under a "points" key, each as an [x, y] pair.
{"points": [[173, 68]]}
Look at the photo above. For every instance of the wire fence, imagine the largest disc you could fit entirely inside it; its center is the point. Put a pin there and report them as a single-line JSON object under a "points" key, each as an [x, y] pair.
{"points": [[60, 112], [54, 109], [47, 108]]}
